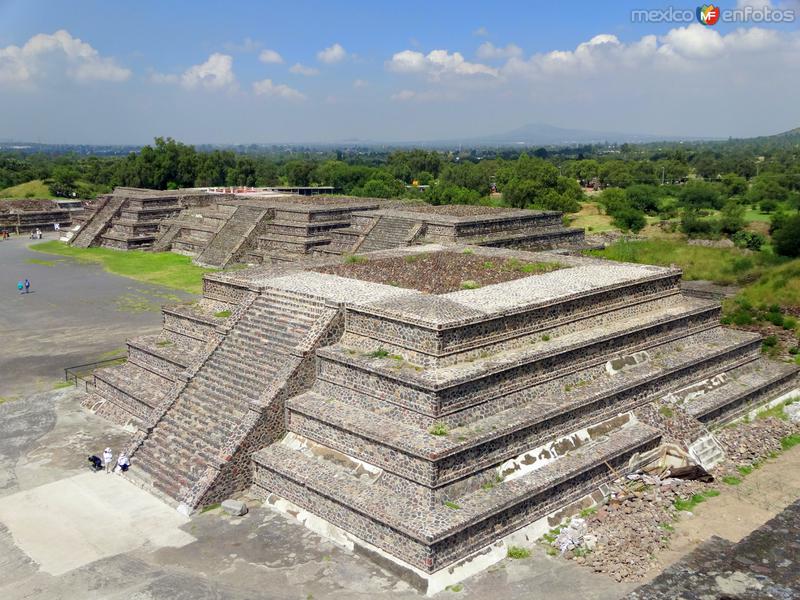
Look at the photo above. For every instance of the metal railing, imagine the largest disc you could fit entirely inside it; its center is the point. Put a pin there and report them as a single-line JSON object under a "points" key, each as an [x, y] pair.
{"points": [[85, 373]]}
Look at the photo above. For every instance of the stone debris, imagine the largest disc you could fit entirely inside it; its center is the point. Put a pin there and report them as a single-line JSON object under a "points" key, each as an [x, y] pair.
{"points": [[235, 508], [628, 532]]}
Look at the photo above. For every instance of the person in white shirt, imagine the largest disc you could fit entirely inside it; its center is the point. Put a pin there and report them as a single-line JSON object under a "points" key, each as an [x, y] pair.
{"points": [[108, 457], [123, 463]]}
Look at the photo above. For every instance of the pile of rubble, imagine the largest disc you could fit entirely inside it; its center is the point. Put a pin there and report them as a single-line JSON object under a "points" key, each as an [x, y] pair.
{"points": [[758, 440], [621, 538]]}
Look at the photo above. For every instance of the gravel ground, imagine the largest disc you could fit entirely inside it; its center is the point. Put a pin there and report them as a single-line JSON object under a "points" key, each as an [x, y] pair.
{"points": [[439, 272]]}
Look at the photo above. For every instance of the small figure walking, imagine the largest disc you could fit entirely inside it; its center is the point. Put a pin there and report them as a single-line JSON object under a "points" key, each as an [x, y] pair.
{"points": [[27, 286], [108, 457], [20, 286]]}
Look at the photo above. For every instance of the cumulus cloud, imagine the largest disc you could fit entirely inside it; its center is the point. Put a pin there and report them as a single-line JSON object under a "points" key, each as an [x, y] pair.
{"points": [[301, 69], [488, 51], [270, 57], [437, 64], [481, 31], [214, 74], [425, 96], [41, 54], [332, 54], [246, 45], [266, 87], [360, 83]]}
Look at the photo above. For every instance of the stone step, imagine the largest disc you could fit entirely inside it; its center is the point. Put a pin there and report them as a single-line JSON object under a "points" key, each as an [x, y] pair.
{"points": [[454, 388], [132, 381], [739, 391], [534, 415], [430, 539]]}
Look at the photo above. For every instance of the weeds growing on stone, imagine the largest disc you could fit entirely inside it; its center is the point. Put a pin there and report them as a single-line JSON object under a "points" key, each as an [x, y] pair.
{"points": [[438, 429], [666, 411], [223, 314], [545, 338], [455, 588], [355, 259], [517, 552], [470, 285], [379, 353], [451, 505], [731, 480], [790, 441]]}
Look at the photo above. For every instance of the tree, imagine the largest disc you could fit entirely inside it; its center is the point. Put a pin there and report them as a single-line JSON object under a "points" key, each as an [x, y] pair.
{"points": [[63, 181], [767, 188], [786, 240], [731, 218], [615, 173], [699, 194], [299, 172], [733, 185], [643, 197]]}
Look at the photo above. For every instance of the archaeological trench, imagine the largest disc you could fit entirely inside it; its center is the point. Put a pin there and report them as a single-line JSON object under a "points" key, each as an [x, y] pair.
{"points": [[424, 384]]}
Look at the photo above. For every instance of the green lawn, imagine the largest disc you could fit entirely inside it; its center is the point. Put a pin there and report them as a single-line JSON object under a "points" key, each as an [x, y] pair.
{"points": [[163, 268], [753, 215], [30, 189], [765, 278]]}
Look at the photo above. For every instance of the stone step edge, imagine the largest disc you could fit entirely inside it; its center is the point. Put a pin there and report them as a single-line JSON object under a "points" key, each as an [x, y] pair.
{"points": [[144, 344], [781, 372], [339, 354], [440, 522], [377, 311], [440, 447]]}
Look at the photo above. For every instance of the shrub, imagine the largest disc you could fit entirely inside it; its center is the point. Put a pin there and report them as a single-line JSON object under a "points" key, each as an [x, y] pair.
{"points": [[786, 239], [629, 219], [749, 240], [516, 552], [438, 429]]}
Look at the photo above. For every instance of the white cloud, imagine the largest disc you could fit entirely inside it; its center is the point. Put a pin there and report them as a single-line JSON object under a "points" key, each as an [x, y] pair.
{"points": [[41, 53], [214, 74], [301, 69], [270, 57], [266, 87], [481, 31], [436, 64], [488, 51], [360, 83], [332, 54]]}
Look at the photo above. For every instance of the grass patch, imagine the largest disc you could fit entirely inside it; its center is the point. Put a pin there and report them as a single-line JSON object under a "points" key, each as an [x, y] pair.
{"points": [[545, 338], [689, 504], [776, 411], [161, 268], [745, 469], [36, 188], [379, 353], [790, 441], [39, 261], [666, 527], [455, 588], [666, 411], [63, 384], [517, 552], [452, 505], [470, 285], [214, 506], [355, 259], [223, 314], [438, 429], [164, 343]]}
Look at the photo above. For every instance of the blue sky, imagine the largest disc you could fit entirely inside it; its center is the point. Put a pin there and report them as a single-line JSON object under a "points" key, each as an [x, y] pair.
{"points": [[241, 72]]}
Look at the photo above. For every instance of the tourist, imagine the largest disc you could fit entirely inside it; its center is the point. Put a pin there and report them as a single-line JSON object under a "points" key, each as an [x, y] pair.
{"points": [[96, 463], [123, 463], [108, 456], [56, 227], [20, 286], [27, 286]]}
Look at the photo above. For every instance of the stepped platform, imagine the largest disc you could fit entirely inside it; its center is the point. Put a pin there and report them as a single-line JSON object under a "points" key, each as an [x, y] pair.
{"points": [[429, 402], [133, 390]]}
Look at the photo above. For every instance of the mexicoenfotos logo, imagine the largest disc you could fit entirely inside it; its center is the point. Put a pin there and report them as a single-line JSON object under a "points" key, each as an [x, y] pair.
{"points": [[708, 14], [711, 14]]}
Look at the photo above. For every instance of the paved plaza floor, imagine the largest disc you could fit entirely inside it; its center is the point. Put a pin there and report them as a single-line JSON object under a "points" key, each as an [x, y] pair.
{"points": [[76, 313]]}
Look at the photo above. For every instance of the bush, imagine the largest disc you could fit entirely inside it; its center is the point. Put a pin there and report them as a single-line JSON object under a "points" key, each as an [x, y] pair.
{"points": [[768, 206], [693, 225], [699, 194], [629, 219], [786, 239], [749, 240]]}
